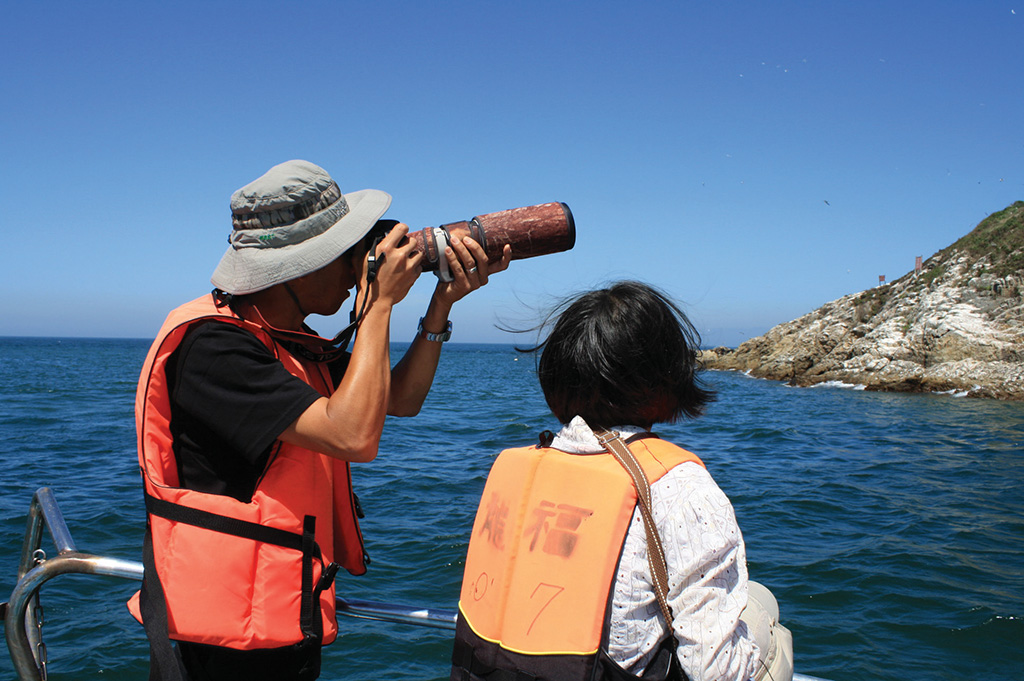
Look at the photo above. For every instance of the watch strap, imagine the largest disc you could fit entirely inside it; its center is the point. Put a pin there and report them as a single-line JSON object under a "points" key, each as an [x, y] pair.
{"points": [[436, 337]]}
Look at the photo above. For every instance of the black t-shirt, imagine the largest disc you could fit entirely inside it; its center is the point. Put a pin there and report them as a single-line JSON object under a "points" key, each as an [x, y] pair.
{"points": [[231, 399]]}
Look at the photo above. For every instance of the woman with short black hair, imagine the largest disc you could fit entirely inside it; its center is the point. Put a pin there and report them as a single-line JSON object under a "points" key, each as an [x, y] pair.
{"points": [[565, 577], [622, 355]]}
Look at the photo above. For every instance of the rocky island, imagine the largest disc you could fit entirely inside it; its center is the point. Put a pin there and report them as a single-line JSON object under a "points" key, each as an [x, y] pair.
{"points": [[954, 325]]}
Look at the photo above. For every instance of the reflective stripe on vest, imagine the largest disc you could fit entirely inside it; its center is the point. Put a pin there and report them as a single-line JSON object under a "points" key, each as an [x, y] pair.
{"points": [[546, 543], [224, 587]]}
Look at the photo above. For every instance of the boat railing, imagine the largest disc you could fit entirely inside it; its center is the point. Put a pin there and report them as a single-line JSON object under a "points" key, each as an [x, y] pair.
{"points": [[22, 613]]}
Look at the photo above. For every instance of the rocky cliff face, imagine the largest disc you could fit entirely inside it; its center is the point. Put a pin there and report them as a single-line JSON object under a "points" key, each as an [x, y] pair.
{"points": [[958, 325]]}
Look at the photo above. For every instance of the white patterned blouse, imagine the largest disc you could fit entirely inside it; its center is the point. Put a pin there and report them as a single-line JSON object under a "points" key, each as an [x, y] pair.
{"points": [[707, 568]]}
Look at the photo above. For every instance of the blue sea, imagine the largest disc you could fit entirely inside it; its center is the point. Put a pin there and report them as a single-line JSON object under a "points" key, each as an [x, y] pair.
{"points": [[889, 526]]}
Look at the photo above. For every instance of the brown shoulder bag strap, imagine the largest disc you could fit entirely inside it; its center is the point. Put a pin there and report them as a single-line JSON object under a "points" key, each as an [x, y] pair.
{"points": [[655, 551]]}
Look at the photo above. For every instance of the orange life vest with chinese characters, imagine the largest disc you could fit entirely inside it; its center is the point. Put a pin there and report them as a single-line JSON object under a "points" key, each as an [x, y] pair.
{"points": [[541, 563], [234, 574]]}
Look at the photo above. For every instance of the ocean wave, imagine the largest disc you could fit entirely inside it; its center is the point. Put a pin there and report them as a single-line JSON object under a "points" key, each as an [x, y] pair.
{"points": [[840, 384], [953, 393]]}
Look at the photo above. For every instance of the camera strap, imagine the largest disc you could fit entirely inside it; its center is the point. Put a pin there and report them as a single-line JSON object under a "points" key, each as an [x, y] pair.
{"points": [[442, 241], [373, 262]]}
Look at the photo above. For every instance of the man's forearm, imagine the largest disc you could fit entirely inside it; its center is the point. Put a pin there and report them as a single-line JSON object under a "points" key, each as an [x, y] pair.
{"points": [[414, 374]]}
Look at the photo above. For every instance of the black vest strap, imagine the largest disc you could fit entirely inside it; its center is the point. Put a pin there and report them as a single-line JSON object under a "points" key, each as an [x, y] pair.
{"points": [[165, 661], [220, 523]]}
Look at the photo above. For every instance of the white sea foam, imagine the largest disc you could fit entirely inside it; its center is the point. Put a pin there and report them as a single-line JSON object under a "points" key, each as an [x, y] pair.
{"points": [[840, 384], [953, 393]]}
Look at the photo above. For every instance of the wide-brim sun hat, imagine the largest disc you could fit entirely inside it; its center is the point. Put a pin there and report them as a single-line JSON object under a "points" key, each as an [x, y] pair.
{"points": [[290, 222]]}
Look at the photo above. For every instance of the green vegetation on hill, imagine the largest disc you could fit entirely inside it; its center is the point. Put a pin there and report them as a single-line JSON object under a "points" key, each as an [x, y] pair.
{"points": [[1000, 236], [999, 239], [870, 302]]}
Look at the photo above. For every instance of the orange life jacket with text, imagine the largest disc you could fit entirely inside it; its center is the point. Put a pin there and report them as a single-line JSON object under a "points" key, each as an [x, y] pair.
{"points": [[234, 574], [542, 558]]}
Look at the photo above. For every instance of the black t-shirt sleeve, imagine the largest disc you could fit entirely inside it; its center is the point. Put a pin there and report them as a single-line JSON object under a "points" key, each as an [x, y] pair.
{"points": [[228, 381]]}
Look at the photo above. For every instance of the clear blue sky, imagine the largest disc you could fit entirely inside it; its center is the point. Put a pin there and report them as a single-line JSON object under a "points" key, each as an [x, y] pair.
{"points": [[754, 160]]}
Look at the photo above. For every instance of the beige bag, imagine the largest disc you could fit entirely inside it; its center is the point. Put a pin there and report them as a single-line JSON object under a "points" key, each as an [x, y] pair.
{"points": [[774, 640]]}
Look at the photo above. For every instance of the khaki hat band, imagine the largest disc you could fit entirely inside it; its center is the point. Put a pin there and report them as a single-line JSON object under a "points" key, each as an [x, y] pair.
{"points": [[292, 233], [277, 217]]}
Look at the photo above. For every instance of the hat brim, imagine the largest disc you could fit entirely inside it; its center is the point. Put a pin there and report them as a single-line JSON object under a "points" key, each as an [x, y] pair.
{"points": [[248, 270]]}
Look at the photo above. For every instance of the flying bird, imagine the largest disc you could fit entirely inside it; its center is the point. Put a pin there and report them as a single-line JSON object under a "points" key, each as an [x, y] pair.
{"points": [[827, 203]]}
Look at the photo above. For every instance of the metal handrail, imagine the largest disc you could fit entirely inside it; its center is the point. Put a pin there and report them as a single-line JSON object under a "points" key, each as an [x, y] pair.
{"points": [[21, 627], [438, 618], [35, 569]]}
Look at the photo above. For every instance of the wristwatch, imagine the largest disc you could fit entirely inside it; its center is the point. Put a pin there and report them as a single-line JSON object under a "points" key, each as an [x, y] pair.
{"points": [[436, 337]]}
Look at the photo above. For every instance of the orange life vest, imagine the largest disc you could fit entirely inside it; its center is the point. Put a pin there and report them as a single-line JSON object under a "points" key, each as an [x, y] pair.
{"points": [[234, 574], [542, 558]]}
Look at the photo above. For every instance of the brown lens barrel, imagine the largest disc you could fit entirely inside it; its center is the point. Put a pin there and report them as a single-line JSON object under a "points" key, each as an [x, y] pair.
{"points": [[531, 231]]}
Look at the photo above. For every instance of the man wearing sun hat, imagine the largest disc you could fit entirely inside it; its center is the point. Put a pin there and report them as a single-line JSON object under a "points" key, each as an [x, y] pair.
{"points": [[247, 423]]}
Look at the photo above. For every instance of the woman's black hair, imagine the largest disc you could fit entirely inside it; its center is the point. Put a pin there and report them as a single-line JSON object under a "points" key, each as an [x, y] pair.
{"points": [[623, 355]]}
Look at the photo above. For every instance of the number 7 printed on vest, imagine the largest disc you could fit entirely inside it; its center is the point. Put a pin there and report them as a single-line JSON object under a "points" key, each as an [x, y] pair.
{"points": [[543, 595]]}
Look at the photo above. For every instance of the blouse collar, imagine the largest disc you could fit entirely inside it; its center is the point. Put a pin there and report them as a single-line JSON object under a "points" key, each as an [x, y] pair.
{"points": [[576, 437]]}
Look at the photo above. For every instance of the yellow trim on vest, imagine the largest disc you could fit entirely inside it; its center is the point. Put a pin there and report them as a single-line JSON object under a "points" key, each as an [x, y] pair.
{"points": [[515, 650]]}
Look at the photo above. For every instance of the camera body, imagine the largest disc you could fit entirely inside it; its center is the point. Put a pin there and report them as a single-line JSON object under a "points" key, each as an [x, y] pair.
{"points": [[531, 231]]}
